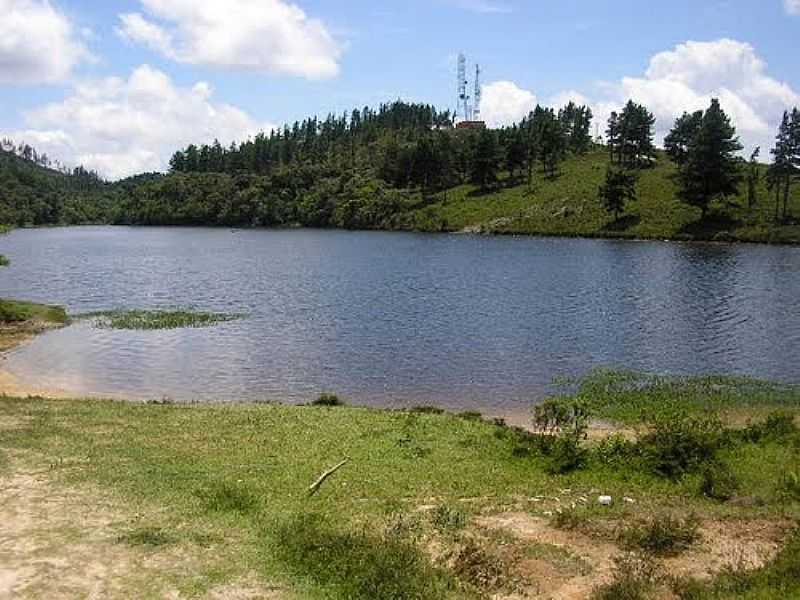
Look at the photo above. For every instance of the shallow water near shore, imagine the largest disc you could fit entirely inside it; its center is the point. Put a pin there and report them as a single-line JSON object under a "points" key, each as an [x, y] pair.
{"points": [[395, 319]]}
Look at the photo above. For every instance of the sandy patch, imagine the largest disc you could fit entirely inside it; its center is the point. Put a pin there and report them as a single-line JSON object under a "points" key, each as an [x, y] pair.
{"points": [[60, 543]]}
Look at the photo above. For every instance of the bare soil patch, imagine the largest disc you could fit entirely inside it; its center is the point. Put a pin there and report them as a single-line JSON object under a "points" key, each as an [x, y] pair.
{"points": [[743, 544]]}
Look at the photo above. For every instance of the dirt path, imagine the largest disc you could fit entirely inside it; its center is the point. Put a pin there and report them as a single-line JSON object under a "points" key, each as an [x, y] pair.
{"points": [[60, 543]]}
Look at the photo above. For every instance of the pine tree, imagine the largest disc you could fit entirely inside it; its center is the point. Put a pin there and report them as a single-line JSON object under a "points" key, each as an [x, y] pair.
{"points": [[781, 169], [613, 135], [619, 187], [711, 166], [516, 152], [677, 141], [752, 178], [486, 161]]}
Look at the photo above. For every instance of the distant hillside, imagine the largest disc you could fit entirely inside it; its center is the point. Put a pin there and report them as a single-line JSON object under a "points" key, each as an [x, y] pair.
{"points": [[568, 206], [404, 167], [33, 194]]}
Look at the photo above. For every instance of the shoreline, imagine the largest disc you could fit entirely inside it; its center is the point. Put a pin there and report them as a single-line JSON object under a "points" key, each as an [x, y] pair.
{"points": [[475, 230]]}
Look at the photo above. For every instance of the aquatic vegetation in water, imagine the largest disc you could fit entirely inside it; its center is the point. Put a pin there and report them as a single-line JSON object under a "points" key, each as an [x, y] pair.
{"points": [[157, 319]]}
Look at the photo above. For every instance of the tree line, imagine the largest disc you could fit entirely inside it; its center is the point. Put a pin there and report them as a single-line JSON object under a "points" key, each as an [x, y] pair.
{"points": [[369, 168]]}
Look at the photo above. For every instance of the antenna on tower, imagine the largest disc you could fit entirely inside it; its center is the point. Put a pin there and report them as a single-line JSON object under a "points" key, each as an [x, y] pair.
{"points": [[476, 112], [463, 98]]}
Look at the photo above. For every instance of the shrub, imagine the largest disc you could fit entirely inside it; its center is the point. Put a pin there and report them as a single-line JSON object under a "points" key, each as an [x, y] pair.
{"points": [[565, 455], [777, 426], [426, 409], [678, 443], [561, 427], [634, 578], [447, 519], [614, 450], [789, 487], [327, 400], [568, 518], [475, 565], [663, 535], [718, 481]]}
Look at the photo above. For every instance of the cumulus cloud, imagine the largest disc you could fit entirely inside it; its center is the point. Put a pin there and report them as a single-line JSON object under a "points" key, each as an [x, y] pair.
{"points": [[682, 79], [38, 44], [505, 103], [271, 36], [120, 126], [792, 7]]}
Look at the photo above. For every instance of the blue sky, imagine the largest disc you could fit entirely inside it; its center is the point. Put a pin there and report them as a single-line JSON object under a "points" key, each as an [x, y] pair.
{"points": [[264, 62]]}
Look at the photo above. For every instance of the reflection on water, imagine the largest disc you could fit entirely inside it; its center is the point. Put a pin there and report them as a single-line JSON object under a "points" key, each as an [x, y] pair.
{"points": [[387, 318]]}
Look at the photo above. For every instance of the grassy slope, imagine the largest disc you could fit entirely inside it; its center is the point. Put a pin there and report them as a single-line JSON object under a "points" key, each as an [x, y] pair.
{"points": [[238, 475], [12, 311], [568, 205]]}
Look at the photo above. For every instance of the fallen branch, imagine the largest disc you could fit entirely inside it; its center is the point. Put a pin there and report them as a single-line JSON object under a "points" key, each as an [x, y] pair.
{"points": [[314, 488]]}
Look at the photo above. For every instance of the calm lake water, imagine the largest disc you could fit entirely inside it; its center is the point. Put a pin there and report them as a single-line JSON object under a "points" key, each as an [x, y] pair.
{"points": [[398, 319]]}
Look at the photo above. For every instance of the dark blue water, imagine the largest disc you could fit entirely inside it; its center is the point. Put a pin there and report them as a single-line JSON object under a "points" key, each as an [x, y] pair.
{"points": [[398, 319]]}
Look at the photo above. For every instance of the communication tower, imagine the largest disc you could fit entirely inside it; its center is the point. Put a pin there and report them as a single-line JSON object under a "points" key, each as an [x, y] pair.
{"points": [[463, 98]]}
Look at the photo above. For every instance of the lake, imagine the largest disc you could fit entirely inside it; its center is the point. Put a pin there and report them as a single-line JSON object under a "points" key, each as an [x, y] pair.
{"points": [[397, 319]]}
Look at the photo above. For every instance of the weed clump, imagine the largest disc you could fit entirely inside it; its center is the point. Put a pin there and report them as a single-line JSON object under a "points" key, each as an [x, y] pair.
{"points": [[718, 482], [357, 564], [662, 535], [635, 576], [569, 519], [474, 565], [326, 399], [446, 519], [147, 320]]}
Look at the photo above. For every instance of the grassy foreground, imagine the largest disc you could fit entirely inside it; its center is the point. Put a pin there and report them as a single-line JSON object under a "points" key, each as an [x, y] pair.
{"points": [[401, 518], [568, 206]]}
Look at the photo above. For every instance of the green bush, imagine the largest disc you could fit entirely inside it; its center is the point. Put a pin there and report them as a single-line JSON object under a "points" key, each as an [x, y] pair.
{"points": [[327, 400], [561, 426], [614, 450], [662, 535], [777, 426], [718, 481], [446, 519], [679, 443]]}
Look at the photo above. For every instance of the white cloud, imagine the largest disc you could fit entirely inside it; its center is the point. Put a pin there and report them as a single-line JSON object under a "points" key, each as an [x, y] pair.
{"points": [[505, 103], [792, 6], [271, 36], [682, 79], [38, 44], [125, 126]]}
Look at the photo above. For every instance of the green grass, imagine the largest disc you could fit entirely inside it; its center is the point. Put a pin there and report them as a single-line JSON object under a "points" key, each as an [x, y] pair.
{"points": [[568, 206], [16, 311], [239, 474], [156, 319]]}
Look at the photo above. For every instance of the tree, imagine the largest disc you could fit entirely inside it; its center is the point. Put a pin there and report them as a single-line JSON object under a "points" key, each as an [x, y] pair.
{"points": [[711, 168], [677, 141], [753, 176], [785, 166], [486, 161], [516, 152], [630, 135], [619, 187]]}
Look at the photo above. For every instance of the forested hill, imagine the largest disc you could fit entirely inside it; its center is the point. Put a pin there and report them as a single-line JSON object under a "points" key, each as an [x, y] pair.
{"points": [[404, 166], [32, 192]]}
